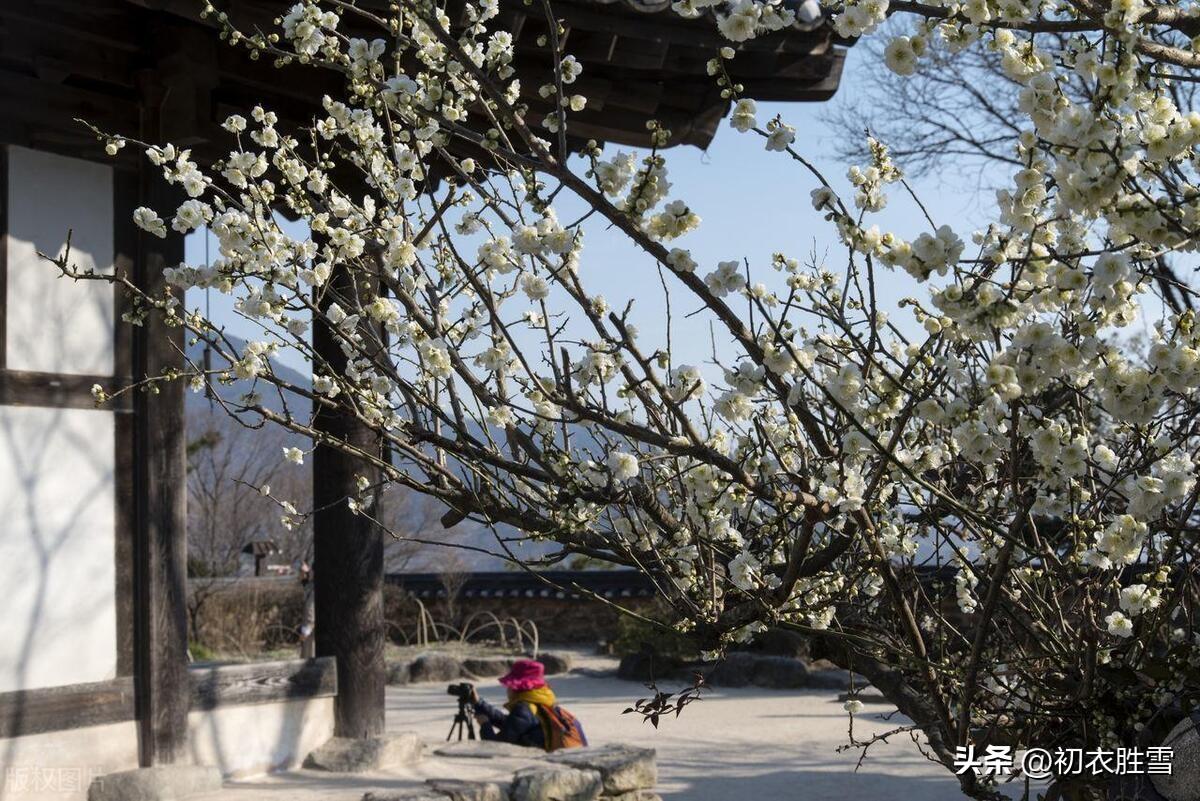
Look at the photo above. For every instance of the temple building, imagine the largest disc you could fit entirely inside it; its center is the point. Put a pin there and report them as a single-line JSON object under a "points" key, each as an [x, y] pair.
{"points": [[95, 676]]}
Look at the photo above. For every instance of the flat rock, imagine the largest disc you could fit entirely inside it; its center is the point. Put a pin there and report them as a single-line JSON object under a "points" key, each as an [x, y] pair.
{"points": [[830, 679], [555, 663], [1183, 783], [162, 783], [432, 666], [635, 795], [487, 666], [735, 670], [779, 673], [645, 666], [457, 790], [354, 755], [781, 642], [397, 672], [622, 768], [486, 749], [556, 783], [404, 795]]}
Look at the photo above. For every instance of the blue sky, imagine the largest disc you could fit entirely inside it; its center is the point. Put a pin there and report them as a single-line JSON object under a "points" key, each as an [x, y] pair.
{"points": [[752, 203]]}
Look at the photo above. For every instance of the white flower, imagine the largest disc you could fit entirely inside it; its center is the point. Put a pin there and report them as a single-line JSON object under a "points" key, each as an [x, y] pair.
{"points": [[435, 357], [681, 260], [294, 455], [500, 416], [823, 198], [149, 221], [743, 115], [853, 706], [623, 466], [1110, 268], [1138, 598], [190, 215], [726, 278], [742, 21], [1121, 541], [780, 137], [535, 287], [900, 56], [1119, 625], [685, 383], [234, 123]]}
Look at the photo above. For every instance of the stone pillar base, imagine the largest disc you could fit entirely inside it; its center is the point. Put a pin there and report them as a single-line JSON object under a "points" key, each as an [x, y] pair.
{"points": [[353, 755], [161, 783]]}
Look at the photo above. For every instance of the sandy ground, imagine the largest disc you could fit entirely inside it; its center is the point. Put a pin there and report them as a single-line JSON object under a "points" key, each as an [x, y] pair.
{"points": [[736, 743]]}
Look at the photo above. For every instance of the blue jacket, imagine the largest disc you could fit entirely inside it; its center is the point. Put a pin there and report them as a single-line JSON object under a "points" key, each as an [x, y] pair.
{"points": [[521, 726]]}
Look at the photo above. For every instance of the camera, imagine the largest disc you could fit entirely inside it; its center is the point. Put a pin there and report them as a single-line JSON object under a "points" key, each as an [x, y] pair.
{"points": [[462, 691], [462, 720]]}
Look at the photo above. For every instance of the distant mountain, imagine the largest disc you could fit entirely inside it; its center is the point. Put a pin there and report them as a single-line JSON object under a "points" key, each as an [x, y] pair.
{"points": [[471, 539], [300, 406]]}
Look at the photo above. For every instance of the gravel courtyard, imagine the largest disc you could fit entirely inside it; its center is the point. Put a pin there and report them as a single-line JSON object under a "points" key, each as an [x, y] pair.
{"points": [[737, 743]]}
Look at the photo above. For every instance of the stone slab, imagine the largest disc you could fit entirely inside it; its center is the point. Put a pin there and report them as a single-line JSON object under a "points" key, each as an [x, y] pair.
{"points": [[556, 783], [487, 749], [353, 755], [162, 783], [1183, 783], [434, 666], [622, 768], [457, 790]]}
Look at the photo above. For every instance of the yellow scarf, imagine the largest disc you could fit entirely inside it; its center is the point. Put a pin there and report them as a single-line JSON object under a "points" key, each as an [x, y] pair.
{"points": [[538, 696]]}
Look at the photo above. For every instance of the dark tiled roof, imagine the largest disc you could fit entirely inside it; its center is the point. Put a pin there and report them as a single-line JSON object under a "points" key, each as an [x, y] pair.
{"points": [[61, 59]]}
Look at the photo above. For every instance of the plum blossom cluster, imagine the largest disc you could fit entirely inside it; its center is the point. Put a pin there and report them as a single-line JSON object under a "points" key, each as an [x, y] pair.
{"points": [[988, 513]]}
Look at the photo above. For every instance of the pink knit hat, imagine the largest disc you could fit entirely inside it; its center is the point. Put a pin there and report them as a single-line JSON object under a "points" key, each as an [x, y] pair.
{"points": [[525, 674]]}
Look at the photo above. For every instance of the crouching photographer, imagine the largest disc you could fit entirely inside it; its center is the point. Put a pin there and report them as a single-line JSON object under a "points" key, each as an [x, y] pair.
{"points": [[531, 717]]}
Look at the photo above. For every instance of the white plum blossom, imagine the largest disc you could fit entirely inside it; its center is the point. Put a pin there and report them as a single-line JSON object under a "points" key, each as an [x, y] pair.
{"points": [[149, 221], [728, 277], [1119, 625], [623, 466], [743, 118], [1138, 598], [781, 136]]}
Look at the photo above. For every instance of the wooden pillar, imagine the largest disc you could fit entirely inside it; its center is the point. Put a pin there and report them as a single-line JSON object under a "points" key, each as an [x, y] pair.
{"points": [[160, 459], [348, 557]]}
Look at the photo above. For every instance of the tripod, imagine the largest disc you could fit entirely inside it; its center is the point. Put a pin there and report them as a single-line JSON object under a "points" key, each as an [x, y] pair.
{"points": [[461, 718]]}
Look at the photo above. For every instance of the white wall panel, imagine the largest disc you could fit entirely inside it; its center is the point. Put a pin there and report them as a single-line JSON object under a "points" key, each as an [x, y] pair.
{"points": [[56, 325], [57, 539]]}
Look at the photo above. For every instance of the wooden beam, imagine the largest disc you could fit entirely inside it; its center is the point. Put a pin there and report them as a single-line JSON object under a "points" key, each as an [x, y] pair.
{"points": [[262, 682], [75, 706], [25, 712], [55, 390], [125, 244], [3, 256], [163, 687], [347, 549]]}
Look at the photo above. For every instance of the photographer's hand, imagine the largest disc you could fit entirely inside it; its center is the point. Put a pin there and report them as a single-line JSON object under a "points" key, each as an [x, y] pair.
{"points": [[474, 696]]}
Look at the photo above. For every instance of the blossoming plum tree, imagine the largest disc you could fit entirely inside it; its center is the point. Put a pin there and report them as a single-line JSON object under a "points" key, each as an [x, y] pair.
{"points": [[1021, 439]]}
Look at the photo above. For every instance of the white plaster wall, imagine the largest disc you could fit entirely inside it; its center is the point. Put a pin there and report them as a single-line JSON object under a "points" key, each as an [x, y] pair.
{"points": [[57, 530], [59, 766], [259, 738], [56, 325]]}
